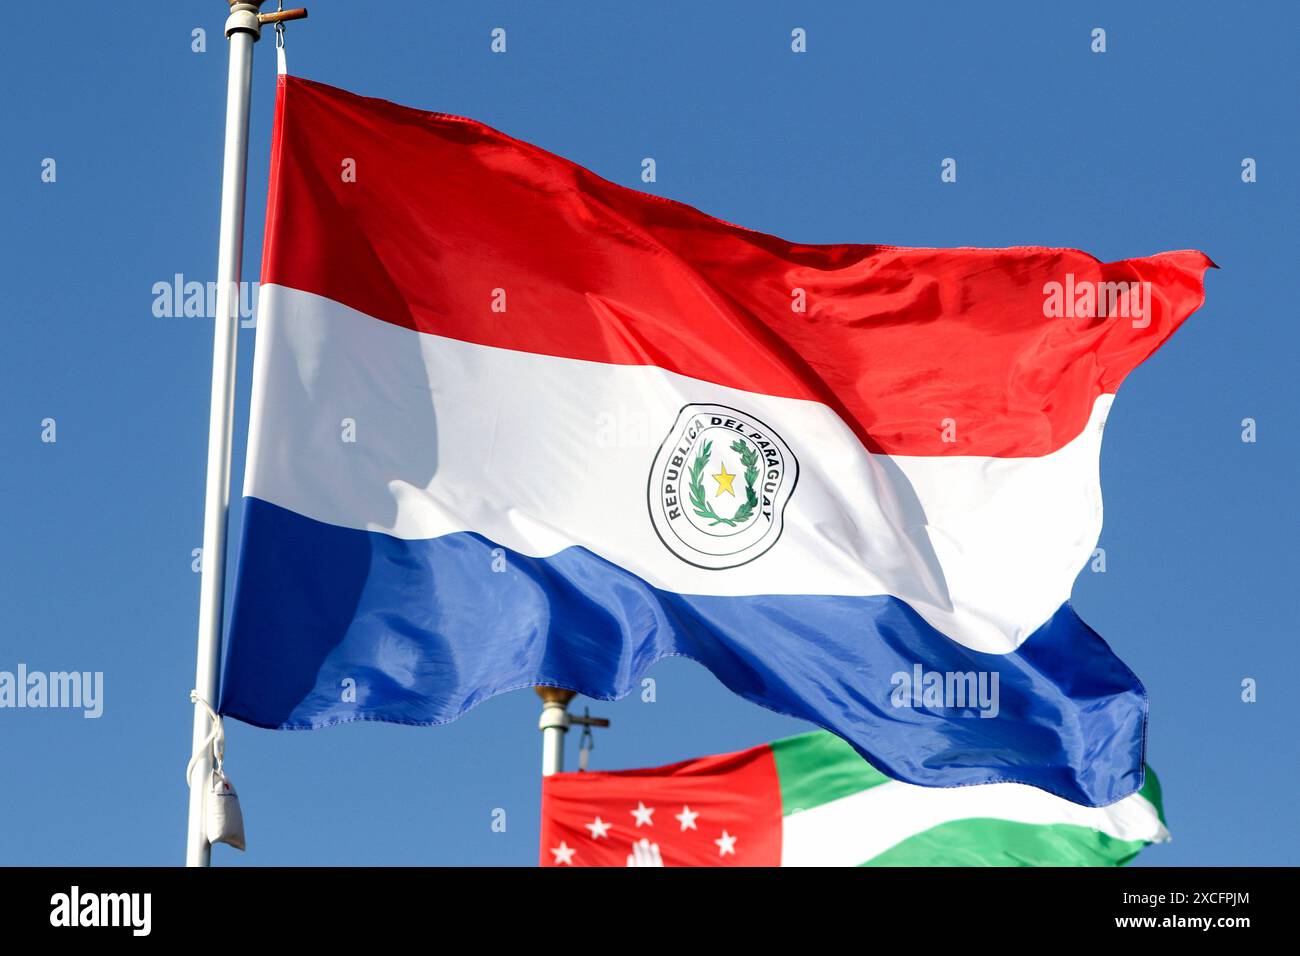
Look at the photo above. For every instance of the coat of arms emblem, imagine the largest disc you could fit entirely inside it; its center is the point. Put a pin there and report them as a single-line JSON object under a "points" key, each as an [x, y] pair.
{"points": [[719, 486]]}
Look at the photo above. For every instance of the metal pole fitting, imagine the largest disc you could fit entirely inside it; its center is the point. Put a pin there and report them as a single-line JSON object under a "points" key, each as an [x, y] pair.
{"points": [[244, 18]]}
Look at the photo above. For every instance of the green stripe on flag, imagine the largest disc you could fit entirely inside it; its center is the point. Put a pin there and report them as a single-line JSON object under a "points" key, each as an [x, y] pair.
{"points": [[819, 767], [1007, 843]]}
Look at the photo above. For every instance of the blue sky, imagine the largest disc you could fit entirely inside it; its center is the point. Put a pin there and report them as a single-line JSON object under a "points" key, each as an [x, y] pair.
{"points": [[1125, 153]]}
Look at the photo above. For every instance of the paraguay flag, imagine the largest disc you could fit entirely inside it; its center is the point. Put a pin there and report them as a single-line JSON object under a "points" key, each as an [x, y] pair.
{"points": [[513, 424]]}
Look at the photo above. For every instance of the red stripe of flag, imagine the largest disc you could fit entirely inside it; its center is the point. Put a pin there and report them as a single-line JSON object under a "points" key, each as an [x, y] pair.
{"points": [[443, 211]]}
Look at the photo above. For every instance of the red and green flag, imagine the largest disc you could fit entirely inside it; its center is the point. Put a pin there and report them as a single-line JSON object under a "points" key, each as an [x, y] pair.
{"points": [[812, 801]]}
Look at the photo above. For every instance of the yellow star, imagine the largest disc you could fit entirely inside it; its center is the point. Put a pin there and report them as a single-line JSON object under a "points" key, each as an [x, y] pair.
{"points": [[724, 481]]}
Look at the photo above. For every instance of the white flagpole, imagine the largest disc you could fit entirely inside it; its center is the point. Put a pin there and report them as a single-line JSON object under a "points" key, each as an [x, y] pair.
{"points": [[554, 724], [242, 30]]}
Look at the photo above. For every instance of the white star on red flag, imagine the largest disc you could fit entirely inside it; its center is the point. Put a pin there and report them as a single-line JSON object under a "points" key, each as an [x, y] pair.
{"points": [[726, 844], [687, 816], [563, 854], [599, 828], [642, 814]]}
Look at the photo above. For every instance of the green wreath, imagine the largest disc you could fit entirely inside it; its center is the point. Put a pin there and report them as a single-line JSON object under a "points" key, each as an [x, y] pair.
{"points": [[748, 458]]}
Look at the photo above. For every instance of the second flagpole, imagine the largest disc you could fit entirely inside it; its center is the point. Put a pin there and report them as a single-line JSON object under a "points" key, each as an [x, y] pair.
{"points": [[554, 725]]}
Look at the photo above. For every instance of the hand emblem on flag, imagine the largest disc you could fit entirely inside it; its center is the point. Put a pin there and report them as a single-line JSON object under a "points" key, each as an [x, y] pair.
{"points": [[644, 853]]}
